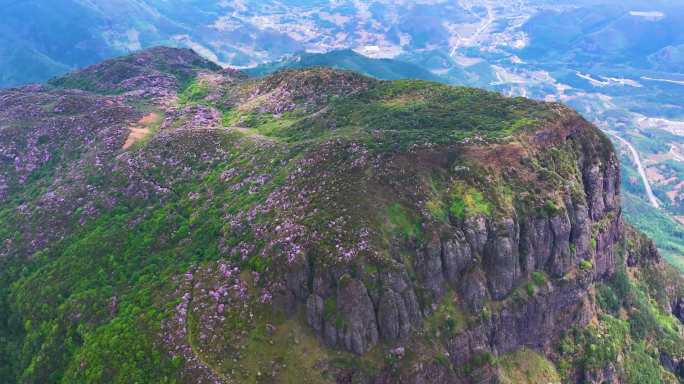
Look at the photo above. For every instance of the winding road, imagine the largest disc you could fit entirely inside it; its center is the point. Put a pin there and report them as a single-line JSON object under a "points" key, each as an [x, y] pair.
{"points": [[635, 156]]}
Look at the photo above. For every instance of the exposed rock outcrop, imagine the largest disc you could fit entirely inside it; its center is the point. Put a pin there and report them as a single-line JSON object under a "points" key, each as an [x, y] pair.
{"points": [[678, 310], [487, 258], [535, 323]]}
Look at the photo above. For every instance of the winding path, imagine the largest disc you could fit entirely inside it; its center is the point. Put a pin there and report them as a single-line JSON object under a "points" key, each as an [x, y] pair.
{"points": [[635, 156]]}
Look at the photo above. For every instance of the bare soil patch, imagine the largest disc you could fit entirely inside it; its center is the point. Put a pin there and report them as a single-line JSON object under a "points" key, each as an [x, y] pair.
{"points": [[140, 130]]}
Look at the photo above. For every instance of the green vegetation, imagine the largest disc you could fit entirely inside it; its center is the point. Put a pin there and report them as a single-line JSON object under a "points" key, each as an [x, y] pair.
{"points": [[586, 265], [529, 288], [330, 312], [78, 278], [447, 320], [594, 347], [195, 92], [526, 366], [122, 351], [539, 278], [667, 233], [403, 223], [467, 201], [409, 105], [630, 317], [437, 209], [550, 208], [607, 299], [443, 360], [291, 346], [265, 124], [397, 114], [644, 368], [478, 360]]}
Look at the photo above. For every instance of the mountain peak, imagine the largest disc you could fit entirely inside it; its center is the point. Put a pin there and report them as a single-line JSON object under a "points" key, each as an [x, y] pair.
{"points": [[155, 70], [289, 89]]}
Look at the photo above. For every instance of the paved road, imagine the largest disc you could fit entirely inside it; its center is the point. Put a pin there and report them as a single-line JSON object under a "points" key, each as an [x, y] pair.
{"points": [[635, 156]]}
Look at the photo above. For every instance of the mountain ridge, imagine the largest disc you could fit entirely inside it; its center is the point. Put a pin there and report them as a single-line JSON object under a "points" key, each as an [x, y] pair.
{"points": [[384, 69]]}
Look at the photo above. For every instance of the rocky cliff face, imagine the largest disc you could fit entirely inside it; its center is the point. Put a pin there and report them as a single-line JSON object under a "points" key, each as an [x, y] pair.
{"points": [[484, 258], [316, 226]]}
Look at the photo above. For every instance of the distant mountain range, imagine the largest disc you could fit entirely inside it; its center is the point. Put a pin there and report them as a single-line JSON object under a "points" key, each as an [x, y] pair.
{"points": [[387, 69], [36, 45]]}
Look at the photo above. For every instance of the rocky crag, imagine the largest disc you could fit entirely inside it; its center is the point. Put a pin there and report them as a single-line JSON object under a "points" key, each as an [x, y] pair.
{"points": [[164, 220]]}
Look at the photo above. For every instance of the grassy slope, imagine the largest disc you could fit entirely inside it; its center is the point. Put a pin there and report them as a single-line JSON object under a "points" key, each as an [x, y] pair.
{"points": [[667, 233], [527, 367]]}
